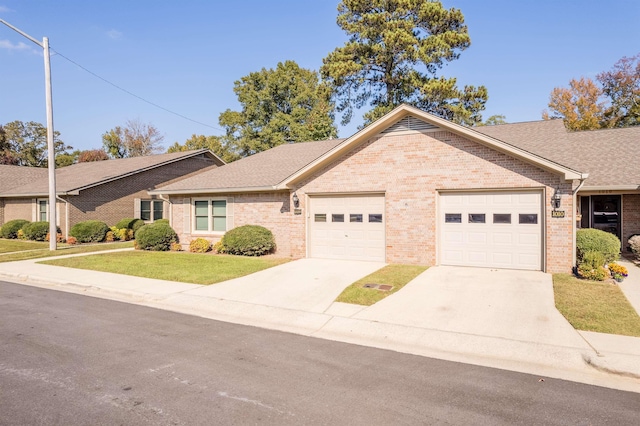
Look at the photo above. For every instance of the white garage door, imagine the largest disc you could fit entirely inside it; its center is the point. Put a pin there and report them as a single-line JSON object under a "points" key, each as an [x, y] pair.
{"points": [[347, 227], [491, 229]]}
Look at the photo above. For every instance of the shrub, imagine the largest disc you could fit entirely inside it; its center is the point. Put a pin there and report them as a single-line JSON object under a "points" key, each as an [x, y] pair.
{"points": [[597, 240], [125, 223], [36, 231], [130, 223], [110, 237], [59, 237], [592, 259], [596, 274], [20, 234], [634, 244], [249, 240], [72, 241], [89, 231], [219, 248], [176, 247], [11, 228], [199, 245], [156, 237], [162, 221]]}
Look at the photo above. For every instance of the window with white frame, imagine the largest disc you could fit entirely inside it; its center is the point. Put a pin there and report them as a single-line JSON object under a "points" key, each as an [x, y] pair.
{"points": [[42, 213], [209, 215], [151, 210]]}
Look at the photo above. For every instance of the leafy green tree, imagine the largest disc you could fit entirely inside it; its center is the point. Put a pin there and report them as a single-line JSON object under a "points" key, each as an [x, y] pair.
{"points": [[281, 105], [394, 53], [27, 143], [66, 159], [213, 143], [6, 154], [580, 105], [494, 120], [135, 139], [622, 86]]}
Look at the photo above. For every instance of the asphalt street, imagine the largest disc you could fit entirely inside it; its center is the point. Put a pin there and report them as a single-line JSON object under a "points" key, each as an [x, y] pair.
{"points": [[76, 360]]}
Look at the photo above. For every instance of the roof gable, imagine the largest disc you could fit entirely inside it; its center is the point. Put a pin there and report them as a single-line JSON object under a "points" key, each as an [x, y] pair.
{"points": [[394, 120]]}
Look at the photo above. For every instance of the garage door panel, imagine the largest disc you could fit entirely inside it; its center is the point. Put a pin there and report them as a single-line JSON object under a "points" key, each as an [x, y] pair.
{"points": [[484, 229], [349, 232]]}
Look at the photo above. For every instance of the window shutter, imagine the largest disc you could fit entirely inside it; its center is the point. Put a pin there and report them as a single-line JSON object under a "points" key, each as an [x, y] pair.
{"points": [[186, 211], [230, 213], [136, 208], [34, 210], [165, 211]]}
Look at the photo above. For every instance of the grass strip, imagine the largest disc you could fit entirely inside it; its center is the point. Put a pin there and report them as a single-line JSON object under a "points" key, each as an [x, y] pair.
{"points": [[396, 275], [10, 246], [171, 266], [595, 306], [43, 253]]}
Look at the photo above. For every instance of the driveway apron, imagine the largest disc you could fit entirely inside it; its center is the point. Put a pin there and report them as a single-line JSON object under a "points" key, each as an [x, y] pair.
{"points": [[310, 285], [516, 305]]}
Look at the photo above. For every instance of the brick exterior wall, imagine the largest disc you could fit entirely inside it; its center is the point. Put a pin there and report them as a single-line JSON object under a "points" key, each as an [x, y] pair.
{"points": [[630, 217], [114, 200], [410, 169], [268, 209]]}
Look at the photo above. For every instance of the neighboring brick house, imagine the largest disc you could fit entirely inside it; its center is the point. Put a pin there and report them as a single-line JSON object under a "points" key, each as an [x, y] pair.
{"points": [[107, 190], [415, 188]]}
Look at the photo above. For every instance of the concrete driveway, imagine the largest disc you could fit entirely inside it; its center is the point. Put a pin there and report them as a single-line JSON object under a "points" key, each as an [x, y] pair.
{"points": [[310, 285], [515, 305]]}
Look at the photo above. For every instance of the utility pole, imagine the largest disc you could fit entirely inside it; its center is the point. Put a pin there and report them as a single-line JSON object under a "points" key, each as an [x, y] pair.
{"points": [[53, 234]]}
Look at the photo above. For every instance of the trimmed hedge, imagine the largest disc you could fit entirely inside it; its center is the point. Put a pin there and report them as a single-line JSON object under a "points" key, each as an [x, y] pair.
{"points": [[130, 223], [249, 240], [156, 237], [11, 228], [199, 245], [596, 240], [37, 231], [89, 231]]}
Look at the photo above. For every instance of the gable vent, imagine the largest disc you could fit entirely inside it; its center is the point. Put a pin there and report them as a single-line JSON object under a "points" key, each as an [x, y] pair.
{"points": [[410, 123]]}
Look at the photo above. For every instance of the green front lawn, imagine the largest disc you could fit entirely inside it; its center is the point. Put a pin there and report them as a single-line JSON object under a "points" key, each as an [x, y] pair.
{"points": [[184, 267], [395, 275], [595, 306], [10, 246], [62, 250]]}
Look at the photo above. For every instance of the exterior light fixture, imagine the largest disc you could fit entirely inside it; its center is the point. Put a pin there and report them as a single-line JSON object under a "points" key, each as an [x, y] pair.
{"points": [[556, 199], [296, 200]]}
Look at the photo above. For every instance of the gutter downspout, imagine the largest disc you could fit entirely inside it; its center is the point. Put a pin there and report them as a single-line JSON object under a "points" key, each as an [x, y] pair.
{"points": [[66, 216], [168, 200], [574, 254]]}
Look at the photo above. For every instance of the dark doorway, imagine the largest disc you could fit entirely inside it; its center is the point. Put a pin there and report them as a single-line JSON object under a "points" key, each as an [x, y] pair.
{"points": [[605, 213]]}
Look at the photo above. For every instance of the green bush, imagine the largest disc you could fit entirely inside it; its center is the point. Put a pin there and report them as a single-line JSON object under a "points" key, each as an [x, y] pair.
{"points": [[130, 223], [249, 240], [596, 240], [199, 245], [162, 221], [156, 237], [89, 231], [37, 231], [11, 228]]}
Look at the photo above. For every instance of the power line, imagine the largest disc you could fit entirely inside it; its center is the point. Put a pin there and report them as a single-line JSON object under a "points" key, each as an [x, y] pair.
{"points": [[133, 94]]}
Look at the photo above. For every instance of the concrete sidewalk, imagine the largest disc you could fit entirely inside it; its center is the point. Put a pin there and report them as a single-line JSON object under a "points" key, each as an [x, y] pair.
{"points": [[594, 358]]}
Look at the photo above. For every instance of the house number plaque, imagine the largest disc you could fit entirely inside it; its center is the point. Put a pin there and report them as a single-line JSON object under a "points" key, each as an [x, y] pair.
{"points": [[297, 211], [557, 213]]}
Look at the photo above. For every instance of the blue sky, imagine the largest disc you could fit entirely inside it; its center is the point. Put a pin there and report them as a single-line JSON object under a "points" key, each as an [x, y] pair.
{"points": [[185, 56]]}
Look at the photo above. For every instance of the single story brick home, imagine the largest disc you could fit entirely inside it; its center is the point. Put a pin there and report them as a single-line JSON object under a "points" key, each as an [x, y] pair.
{"points": [[106, 190], [415, 188]]}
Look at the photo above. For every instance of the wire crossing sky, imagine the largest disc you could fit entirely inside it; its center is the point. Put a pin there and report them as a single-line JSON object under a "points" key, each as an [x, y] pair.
{"points": [[173, 64]]}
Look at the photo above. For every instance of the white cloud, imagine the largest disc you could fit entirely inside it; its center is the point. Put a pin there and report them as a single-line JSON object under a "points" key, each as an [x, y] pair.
{"points": [[6, 44], [4, 9], [114, 34]]}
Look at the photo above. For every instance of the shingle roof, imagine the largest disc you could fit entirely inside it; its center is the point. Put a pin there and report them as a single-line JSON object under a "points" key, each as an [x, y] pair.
{"points": [[83, 175], [16, 176], [609, 155], [263, 170]]}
